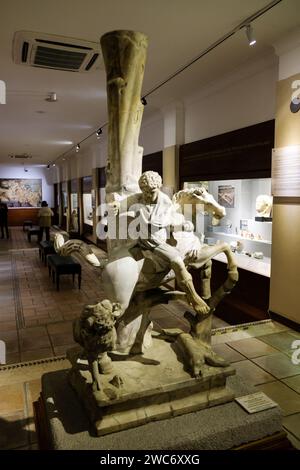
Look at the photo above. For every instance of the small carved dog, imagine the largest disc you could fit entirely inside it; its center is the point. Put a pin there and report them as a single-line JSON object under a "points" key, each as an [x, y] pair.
{"points": [[95, 332]]}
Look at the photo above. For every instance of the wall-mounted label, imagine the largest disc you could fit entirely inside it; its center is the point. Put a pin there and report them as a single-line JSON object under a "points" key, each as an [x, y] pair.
{"points": [[286, 172]]}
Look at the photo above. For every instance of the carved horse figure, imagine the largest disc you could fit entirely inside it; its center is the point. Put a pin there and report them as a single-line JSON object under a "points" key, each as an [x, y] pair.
{"points": [[133, 277]]}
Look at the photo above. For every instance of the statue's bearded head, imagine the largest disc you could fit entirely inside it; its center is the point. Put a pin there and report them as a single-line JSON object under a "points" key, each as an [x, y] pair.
{"points": [[150, 183]]}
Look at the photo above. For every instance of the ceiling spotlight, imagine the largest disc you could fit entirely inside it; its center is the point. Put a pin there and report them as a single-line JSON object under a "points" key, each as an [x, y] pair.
{"points": [[144, 101], [48, 166], [52, 98], [98, 133], [53, 164], [250, 36], [77, 148]]}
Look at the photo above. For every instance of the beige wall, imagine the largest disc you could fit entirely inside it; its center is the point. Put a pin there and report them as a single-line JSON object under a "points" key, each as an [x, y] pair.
{"points": [[285, 269], [171, 167], [287, 124]]}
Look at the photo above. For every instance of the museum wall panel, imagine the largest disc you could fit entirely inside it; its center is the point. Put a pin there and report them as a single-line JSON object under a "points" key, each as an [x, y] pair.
{"points": [[243, 153], [285, 273], [240, 99], [152, 134], [153, 162], [244, 98]]}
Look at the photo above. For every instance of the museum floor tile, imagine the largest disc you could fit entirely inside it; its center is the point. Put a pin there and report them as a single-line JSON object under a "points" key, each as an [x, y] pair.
{"points": [[36, 326]]}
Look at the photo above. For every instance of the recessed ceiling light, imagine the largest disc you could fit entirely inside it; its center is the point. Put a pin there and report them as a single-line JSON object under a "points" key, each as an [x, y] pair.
{"points": [[41, 111], [51, 98]]}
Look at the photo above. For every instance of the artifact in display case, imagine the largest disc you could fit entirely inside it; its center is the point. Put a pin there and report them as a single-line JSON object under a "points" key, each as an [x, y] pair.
{"points": [[247, 226], [87, 209], [226, 194], [264, 205], [74, 219], [74, 201]]}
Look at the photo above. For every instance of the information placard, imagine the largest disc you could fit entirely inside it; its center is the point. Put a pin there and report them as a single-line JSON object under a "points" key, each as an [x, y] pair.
{"points": [[255, 402]]}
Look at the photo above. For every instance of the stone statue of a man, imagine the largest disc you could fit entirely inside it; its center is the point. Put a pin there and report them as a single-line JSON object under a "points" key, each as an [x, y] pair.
{"points": [[157, 219]]}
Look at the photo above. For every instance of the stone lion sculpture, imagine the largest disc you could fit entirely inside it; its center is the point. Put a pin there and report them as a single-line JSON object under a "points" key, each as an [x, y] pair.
{"points": [[95, 331]]}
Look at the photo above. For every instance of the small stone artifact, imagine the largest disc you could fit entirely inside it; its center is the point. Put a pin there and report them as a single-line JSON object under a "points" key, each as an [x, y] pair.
{"points": [[263, 205], [150, 242]]}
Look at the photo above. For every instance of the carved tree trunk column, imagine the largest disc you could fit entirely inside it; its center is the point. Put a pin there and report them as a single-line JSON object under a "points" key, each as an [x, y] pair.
{"points": [[124, 55]]}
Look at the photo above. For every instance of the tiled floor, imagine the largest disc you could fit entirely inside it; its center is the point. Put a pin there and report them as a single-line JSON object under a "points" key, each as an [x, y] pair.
{"points": [[36, 324]]}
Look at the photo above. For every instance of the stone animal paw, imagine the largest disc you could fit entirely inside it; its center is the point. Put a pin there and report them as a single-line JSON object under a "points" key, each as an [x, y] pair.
{"points": [[214, 360]]}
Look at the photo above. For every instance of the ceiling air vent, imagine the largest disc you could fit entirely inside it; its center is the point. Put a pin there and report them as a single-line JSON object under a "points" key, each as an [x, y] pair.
{"points": [[55, 52], [23, 156]]}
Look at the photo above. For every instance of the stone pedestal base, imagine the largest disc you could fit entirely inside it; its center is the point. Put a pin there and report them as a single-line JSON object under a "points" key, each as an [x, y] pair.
{"points": [[62, 424], [151, 387]]}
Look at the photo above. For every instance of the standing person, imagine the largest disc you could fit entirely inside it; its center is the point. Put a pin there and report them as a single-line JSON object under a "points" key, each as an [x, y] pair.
{"points": [[3, 219], [44, 215]]}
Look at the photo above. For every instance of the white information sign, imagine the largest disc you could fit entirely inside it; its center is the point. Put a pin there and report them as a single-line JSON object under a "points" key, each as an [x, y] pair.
{"points": [[286, 172], [256, 402]]}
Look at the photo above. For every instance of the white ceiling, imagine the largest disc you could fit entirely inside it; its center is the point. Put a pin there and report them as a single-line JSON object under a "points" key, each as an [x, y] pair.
{"points": [[178, 31]]}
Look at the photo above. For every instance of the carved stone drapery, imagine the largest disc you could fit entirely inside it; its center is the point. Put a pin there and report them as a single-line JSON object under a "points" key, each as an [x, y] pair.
{"points": [[124, 55]]}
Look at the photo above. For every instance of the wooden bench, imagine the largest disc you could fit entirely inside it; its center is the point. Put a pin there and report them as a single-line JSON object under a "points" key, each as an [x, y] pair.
{"points": [[59, 265], [33, 231], [27, 223], [45, 248]]}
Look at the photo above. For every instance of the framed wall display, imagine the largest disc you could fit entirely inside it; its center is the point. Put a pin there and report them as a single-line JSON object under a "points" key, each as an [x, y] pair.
{"points": [[74, 215], [86, 184], [226, 196], [21, 192], [74, 212], [93, 194], [74, 185], [87, 209]]}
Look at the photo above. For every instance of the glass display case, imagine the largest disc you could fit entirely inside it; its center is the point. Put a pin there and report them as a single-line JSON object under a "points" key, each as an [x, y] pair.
{"points": [[87, 209], [247, 225], [247, 228], [64, 203], [87, 202], [74, 213], [64, 194]]}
